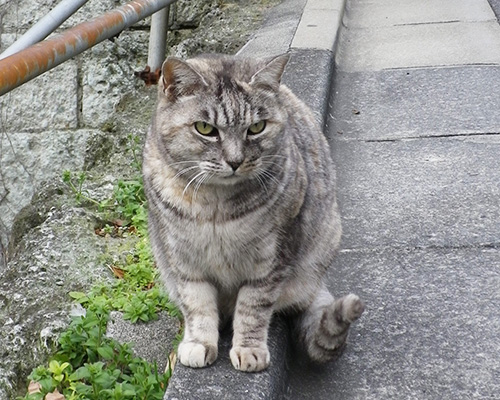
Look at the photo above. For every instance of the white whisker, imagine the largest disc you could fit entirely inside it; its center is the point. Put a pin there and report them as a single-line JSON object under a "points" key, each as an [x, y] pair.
{"points": [[272, 163], [183, 171], [273, 156], [192, 180], [261, 182], [200, 182], [182, 162], [268, 174]]}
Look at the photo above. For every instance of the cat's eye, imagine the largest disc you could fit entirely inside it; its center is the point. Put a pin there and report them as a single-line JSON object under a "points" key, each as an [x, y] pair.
{"points": [[257, 128], [205, 129]]}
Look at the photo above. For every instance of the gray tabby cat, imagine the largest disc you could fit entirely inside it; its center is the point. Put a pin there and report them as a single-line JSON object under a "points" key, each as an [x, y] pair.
{"points": [[242, 212]]}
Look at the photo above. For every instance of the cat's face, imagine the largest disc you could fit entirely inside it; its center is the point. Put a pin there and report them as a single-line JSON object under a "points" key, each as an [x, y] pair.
{"points": [[220, 122]]}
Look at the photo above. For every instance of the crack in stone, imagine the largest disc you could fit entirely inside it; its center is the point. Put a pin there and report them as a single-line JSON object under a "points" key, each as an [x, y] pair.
{"points": [[406, 138], [453, 21], [377, 249]]}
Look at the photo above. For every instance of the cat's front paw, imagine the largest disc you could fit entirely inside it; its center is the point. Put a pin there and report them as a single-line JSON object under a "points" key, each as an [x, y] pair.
{"points": [[196, 355], [250, 359]]}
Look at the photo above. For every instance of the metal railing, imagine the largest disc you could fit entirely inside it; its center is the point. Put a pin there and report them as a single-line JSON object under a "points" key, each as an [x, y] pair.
{"points": [[45, 26], [27, 64]]}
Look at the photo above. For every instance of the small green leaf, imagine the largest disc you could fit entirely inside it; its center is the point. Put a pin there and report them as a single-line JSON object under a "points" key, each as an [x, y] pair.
{"points": [[106, 352], [104, 380], [47, 385], [79, 296], [66, 176], [80, 373], [91, 322]]}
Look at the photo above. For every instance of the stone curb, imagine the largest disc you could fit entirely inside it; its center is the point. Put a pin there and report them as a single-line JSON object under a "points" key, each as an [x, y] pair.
{"points": [[319, 25], [309, 30], [222, 381]]}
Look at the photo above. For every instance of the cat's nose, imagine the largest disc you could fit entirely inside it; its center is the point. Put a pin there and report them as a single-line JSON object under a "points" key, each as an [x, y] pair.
{"points": [[234, 164]]}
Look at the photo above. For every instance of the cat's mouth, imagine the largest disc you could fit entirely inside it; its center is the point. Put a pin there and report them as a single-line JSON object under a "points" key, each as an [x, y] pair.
{"points": [[233, 177], [230, 178]]}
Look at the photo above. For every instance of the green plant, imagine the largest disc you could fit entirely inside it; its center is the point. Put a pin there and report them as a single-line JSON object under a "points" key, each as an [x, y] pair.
{"points": [[130, 202], [137, 292], [75, 183], [87, 364], [91, 366], [134, 147]]}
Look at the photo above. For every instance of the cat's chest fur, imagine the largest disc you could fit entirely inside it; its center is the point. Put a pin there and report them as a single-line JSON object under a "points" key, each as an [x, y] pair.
{"points": [[222, 234], [228, 252]]}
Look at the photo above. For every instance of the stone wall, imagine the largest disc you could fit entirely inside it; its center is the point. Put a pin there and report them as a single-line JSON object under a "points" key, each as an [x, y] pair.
{"points": [[77, 117], [50, 123]]}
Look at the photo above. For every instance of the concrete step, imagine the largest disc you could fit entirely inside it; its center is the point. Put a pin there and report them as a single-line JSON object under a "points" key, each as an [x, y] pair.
{"points": [[402, 34], [291, 26]]}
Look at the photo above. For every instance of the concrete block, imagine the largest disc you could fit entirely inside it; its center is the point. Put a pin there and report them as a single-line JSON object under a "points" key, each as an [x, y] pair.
{"points": [[20, 15], [61, 254], [152, 341], [426, 45], [410, 103], [108, 76], [90, 10], [277, 31], [319, 25], [308, 75], [385, 13], [222, 381], [29, 159], [422, 192], [6, 39]]}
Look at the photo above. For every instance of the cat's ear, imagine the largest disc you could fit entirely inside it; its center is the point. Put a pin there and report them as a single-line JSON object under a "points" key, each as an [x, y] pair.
{"points": [[180, 79], [270, 75]]}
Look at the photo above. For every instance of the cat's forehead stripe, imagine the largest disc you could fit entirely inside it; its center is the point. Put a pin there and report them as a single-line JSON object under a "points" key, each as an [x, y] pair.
{"points": [[231, 108]]}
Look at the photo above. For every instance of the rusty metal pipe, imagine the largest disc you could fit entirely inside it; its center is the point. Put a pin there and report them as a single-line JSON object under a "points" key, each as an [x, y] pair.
{"points": [[41, 57], [45, 26], [157, 42]]}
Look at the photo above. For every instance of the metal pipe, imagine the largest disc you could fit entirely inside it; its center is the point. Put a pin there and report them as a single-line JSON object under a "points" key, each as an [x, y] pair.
{"points": [[39, 58], [156, 51], [45, 26], [157, 39]]}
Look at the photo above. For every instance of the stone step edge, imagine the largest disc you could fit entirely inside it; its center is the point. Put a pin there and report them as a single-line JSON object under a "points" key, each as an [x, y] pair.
{"points": [[311, 37]]}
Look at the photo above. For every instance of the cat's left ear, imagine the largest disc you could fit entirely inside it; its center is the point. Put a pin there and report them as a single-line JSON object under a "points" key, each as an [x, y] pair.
{"points": [[270, 75], [180, 79]]}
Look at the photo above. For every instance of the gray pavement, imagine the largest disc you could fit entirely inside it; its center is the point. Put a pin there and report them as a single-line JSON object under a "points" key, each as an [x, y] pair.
{"points": [[415, 133], [410, 94], [495, 5]]}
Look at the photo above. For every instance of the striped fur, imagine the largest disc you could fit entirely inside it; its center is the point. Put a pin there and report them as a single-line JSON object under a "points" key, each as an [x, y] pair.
{"points": [[242, 225]]}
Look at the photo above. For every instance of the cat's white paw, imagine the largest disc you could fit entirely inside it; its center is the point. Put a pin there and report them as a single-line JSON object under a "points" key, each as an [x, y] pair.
{"points": [[196, 355], [352, 308], [250, 359]]}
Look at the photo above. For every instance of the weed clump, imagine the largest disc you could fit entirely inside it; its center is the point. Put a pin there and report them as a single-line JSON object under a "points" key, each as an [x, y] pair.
{"points": [[87, 364]]}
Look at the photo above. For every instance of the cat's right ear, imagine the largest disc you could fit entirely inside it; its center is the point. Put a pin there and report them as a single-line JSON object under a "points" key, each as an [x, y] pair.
{"points": [[270, 75], [180, 79]]}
